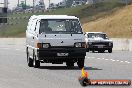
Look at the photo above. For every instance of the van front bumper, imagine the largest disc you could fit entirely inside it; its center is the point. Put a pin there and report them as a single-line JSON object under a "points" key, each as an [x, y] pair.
{"points": [[98, 47], [53, 52]]}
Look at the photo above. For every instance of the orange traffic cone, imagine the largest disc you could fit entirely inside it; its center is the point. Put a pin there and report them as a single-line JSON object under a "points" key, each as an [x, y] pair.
{"points": [[84, 81]]}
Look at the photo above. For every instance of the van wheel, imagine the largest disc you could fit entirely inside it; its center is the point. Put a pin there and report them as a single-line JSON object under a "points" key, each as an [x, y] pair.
{"points": [[70, 64], [29, 60], [93, 51], [110, 50], [36, 63], [80, 62], [87, 50]]}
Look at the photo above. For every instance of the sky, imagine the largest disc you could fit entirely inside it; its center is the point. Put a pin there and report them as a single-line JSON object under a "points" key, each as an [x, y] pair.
{"points": [[13, 3]]}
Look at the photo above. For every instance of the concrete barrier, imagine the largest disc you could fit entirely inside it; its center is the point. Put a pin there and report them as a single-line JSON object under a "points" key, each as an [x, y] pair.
{"points": [[122, 44], [130, 44], [12, 41]]}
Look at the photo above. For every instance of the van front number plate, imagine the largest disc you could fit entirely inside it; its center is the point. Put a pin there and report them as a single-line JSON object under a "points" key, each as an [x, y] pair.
{"points": [[62, 54], [100, 46]]}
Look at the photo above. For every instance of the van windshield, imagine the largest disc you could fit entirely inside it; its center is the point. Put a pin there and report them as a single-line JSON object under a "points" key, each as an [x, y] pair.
{"points": [[61, 26], [99, 35]]}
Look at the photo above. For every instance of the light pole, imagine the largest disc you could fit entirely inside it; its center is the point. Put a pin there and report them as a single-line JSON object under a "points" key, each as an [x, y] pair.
{"points": [[43, 5], [49, 3], [33, 5], [18, 3], [126, 2], [65, 3], [6, 3], [25, 4]]}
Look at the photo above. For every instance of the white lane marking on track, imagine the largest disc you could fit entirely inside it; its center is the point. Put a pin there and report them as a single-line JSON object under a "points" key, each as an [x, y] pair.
{"points": [[114, 60], [98, 58], [127, 62], [17, 49], [92, 57], [106, 59], [117, 60], [121, 61], [88, 57]]}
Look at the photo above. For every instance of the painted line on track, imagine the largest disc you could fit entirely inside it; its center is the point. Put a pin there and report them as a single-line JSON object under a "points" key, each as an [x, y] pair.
{"points": [[109, 60], [121, 61], [18, 49], [106, 59], [117, 60]]}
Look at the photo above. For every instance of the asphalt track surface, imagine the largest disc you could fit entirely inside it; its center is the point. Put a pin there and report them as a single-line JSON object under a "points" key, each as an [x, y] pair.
{"points": [[14, 72]]}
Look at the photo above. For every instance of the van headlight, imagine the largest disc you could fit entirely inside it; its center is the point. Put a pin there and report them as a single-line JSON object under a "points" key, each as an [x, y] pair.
{"points": [[110, 44], [45, 45], [80, 45]]}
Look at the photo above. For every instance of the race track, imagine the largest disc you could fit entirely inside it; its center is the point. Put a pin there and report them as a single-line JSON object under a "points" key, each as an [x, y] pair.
{"points": [[14, 72]]}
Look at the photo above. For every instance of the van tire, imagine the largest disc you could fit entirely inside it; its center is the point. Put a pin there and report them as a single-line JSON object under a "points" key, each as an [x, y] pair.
{"points": [[87, 50], [80, 62], [36, 63], [110, 50], [29, 60]]}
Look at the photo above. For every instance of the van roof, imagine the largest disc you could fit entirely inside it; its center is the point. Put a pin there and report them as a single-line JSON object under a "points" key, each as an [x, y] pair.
{"points": [[95, 32], [53, 17]]}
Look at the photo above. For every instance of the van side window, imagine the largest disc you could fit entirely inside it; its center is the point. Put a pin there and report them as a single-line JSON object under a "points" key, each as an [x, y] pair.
{"points": [[35, 26]]}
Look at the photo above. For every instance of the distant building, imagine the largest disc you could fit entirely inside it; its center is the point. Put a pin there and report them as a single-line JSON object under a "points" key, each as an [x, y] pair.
{"points": [[89, 2], [41, 4], [78, 2], [82, 2], [61, 4], [1, 10], [74, 3], [53, 6], [125, 1], [3, 15], [94, 1]]}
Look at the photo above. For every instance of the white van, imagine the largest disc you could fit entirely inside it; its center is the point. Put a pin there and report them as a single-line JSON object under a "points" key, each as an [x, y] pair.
{"points": [[55, 39]]}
